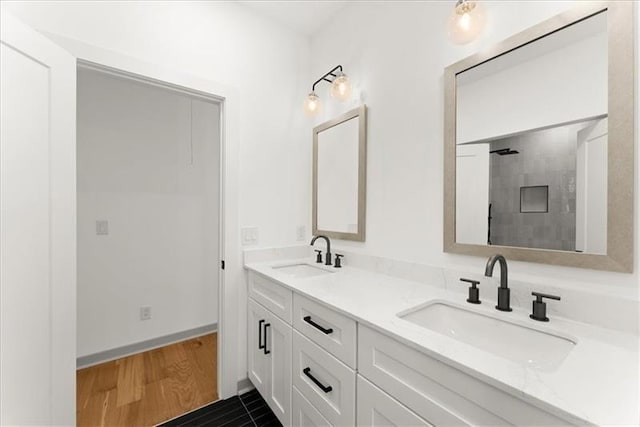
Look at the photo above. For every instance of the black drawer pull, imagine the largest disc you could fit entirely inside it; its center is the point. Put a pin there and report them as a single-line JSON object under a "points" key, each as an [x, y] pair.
{"points": [[266, 337], [315, 325], [307, 372], [260, 345]]}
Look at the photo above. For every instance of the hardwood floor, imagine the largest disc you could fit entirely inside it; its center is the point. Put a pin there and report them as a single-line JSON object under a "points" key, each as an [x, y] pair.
{"points": [[147, 388]]}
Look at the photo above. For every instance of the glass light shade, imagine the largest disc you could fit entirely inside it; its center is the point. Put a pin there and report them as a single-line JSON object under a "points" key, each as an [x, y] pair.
{"points": [[341, 87], [466, 22], [312, 104]]}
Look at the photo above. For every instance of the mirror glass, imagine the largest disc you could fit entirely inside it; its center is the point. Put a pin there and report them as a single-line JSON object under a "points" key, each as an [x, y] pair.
{"points": [[531, 144], [338, 176]]}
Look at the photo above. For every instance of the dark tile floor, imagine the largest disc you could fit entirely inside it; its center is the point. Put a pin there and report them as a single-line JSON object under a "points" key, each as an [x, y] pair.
{"points": [[248, 410]]}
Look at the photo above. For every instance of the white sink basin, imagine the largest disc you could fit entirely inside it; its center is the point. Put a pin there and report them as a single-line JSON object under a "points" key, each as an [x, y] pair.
{"points": [[517, 342], [301, 270]]}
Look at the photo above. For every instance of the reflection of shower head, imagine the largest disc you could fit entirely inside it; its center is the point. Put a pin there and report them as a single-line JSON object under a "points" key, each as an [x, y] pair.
{"points": [[504, 151]]}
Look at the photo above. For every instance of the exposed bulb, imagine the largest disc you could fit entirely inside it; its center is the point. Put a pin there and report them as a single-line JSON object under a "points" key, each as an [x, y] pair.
{"points": [[466, 22], [312, 104], [341, 87]]}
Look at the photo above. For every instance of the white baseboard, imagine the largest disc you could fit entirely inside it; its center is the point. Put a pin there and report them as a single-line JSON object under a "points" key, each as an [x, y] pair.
{"points": [[127, 350], [244, 386]]}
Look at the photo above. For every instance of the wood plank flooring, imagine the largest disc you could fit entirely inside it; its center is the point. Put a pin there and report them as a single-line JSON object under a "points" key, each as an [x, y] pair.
{"points": [[148, 388]]}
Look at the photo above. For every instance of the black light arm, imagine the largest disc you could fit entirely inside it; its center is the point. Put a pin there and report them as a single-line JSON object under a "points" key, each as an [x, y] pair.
{"points": [[324, 78]]}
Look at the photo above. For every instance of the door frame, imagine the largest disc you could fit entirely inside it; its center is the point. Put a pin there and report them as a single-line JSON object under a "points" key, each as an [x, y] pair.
{"points": [[229, 279]]}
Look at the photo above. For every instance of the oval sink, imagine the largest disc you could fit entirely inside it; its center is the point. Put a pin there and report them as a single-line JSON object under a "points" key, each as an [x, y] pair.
{"points": [[301, 270], [519, 343]]}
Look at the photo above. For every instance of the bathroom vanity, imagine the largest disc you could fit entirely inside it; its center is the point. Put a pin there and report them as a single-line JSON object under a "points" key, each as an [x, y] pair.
{"points": [[352, 347]]}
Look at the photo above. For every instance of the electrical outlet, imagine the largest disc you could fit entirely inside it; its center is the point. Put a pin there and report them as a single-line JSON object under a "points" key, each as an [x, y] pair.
{"points": [[301, 231], [145, 312], [102, 227], [250, 236]]}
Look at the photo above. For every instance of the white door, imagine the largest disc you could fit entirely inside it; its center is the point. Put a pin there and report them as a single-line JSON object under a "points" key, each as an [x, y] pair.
{"points": [[258, 360], [278, 346], [472, 193], [37, 229], [591, 189], [376, 408]]}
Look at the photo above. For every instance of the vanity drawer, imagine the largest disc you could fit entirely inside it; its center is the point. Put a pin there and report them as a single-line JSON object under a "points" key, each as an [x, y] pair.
{"points": [[377, 408], [304, 413], [329, 329], [438, 392], [275, 297], [328, 384]]}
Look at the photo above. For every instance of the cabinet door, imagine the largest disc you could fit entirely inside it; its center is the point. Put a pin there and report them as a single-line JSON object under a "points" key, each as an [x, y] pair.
{"points": [[277, 336], [258, 360], [304, 414], [376, 408]]}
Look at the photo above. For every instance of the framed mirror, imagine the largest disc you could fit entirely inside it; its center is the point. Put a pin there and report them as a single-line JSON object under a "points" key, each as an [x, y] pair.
{"points": [[340, 175], [539, 143]]}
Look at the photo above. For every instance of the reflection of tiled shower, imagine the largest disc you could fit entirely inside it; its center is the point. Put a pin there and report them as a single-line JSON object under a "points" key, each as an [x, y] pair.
{"points": [[544, 158]]}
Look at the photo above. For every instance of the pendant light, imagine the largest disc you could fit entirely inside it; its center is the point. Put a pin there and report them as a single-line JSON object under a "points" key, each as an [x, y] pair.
{"points": [[340, 90], [466, 22]]}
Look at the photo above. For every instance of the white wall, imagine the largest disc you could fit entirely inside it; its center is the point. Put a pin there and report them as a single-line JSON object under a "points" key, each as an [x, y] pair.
{"points": [[148, 163], [566, 84], [397, 53], [224, 42]]}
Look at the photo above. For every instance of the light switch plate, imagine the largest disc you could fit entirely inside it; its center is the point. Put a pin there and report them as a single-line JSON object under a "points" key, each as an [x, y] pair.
{"points": [[249, 235], [301, 231]]}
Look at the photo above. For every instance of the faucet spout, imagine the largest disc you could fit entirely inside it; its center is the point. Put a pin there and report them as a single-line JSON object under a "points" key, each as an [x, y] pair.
{"points": [[326, 239], [488, 270], [503, 291]]}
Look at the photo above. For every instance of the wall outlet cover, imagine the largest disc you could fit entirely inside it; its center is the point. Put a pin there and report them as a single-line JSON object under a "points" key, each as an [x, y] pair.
{"points": [[102, 227], [145, 312]]}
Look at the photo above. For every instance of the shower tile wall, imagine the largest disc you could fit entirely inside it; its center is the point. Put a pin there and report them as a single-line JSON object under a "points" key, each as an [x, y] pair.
{"points": [[546, 157]]}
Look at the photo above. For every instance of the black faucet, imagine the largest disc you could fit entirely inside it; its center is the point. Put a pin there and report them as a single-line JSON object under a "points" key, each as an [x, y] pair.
{"points": [[328, 254], [503, 290]]}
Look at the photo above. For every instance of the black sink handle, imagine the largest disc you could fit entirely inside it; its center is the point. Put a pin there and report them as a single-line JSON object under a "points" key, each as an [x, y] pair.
{"points": [[315, 325], [307, 372]]}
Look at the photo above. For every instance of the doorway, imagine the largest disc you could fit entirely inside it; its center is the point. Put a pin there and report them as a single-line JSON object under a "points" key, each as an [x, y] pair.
{"points": [[149, 233]]}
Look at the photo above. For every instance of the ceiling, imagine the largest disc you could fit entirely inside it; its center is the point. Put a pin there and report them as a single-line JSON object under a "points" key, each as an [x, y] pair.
{"points": [[303, 17]]}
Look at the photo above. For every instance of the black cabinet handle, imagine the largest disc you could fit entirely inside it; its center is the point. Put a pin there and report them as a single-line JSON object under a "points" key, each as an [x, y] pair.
{"points": [[315, 325], [260, 344], [307, 372], [266, 337]]}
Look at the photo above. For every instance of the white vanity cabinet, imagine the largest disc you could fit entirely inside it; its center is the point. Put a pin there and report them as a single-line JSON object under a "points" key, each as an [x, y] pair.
{"points": [[334, 332], [316, 366], [323, 380], [376, 408], [439, 393], [269, 352], [304, 414]]}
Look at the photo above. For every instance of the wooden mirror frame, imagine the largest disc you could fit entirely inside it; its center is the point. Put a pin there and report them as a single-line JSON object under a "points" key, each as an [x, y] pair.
{"points": [[361, 113], [620, 185]]}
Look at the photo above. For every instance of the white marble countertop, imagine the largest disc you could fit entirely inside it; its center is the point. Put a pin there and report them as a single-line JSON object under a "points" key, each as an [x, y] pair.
{"points": [[596, 383]]}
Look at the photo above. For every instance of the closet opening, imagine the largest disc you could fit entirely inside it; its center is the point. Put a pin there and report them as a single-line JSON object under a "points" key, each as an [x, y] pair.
{"points": [[149, 248]]}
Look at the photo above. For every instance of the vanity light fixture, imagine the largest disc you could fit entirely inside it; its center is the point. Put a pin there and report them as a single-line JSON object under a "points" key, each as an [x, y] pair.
{"points": [[340, 89], [466, 21]]}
